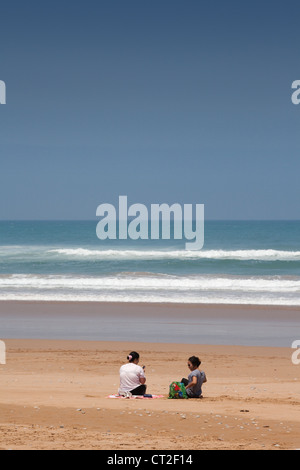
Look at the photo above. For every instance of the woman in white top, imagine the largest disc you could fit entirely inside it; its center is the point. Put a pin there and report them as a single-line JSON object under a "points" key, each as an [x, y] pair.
{"points": [[132, 376]]}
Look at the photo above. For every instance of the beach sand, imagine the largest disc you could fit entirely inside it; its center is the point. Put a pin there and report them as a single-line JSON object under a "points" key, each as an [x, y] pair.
{"points": [[54, 396]]}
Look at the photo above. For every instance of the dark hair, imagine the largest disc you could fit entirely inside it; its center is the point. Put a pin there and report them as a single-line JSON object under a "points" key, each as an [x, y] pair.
{"points": [[195, 361], [133, 356]]}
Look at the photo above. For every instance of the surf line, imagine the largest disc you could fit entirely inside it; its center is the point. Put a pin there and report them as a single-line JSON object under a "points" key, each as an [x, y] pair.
{"points": [[156, 224], [2, 92]]}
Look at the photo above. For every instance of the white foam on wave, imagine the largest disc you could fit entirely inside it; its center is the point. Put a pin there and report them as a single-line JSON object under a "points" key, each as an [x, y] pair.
{"points": [[153, 281], [79, 253], [259, 255], [59, 297], [153, 288]]}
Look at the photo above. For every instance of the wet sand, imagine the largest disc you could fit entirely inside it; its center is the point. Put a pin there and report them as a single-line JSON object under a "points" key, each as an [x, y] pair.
{"points": [[166, 323]]}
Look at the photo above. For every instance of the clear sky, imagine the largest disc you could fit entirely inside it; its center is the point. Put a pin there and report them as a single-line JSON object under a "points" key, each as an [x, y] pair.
{"points": [[161, 100]]}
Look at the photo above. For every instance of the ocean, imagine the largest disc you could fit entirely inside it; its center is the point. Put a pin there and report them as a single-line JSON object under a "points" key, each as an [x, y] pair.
{"points": [[242, 262]]}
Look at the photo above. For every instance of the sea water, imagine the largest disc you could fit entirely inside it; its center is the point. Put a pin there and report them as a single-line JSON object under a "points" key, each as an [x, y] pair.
{"points": [[242, 262]]}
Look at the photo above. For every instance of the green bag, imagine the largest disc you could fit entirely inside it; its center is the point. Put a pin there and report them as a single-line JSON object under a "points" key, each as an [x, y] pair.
{"points": [[177, 391]]}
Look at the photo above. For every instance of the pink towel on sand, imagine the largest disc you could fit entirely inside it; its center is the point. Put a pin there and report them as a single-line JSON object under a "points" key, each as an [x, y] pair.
{"points": [[136, 397]]}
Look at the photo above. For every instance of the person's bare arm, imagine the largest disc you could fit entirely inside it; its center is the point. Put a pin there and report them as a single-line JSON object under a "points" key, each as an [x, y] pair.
{"points": [[193, 383], [143, 379]]}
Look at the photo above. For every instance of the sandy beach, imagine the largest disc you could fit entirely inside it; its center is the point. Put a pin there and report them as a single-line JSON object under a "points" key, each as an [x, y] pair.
{"points": [[54, 396], [149, 213]]}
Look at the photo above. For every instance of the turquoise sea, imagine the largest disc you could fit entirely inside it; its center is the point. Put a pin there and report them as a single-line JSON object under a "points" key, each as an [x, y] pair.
{"points": [[242, 262]]}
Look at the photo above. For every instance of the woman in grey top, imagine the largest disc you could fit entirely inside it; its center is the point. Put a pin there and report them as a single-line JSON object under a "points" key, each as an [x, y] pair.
{"points": [[196, 378]]}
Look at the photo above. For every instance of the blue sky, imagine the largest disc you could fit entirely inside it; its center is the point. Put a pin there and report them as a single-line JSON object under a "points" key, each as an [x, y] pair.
{"points": [[162, 101]]}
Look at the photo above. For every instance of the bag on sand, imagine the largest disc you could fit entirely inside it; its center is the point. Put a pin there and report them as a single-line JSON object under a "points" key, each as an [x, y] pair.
{"points": [[177, 391]]}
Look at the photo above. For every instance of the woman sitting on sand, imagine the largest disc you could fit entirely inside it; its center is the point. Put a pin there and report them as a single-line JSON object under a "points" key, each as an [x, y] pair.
{"points": [[196, 379], [132, 376]]}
